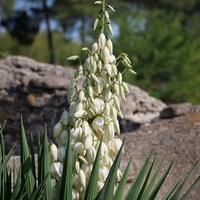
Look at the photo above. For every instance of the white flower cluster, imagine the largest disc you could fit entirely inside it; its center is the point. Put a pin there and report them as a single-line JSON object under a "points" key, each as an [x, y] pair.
{"points": [[92, 115]]}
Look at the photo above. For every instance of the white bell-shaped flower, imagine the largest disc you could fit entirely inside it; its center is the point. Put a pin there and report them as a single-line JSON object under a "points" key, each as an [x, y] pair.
{"points": [[87, 64], [56, 170], [112, 59], [97, 106], [95, 47], [116, 144], [75, 194], [103, 173], [53, 152], [98, 124], [76, 134], [78, 148]]}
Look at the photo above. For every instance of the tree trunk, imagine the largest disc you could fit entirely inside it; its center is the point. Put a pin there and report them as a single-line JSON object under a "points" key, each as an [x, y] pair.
{"points": [[49, 34]]}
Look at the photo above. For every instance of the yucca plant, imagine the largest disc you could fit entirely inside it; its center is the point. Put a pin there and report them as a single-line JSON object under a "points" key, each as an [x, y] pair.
{"points": [[85, 162]]}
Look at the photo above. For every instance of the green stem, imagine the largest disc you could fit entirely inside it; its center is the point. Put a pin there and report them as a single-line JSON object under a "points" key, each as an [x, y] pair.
{"points": [[103, 16]]}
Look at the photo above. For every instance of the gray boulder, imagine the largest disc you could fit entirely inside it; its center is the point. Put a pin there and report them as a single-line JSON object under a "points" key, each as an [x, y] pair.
{"points": [[38, 92]]}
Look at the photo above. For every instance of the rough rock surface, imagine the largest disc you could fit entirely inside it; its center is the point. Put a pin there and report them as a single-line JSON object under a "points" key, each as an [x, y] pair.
{"points": [[38, 92], [179, 137]]}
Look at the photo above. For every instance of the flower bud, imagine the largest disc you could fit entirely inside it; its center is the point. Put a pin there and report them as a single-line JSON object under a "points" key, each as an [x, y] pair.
{"points": [[57, 130], [95, 22], [64, 137], [108, 95], [95, 47], [77, 166], [61, 154], [99, 65], [87, 168], [107, 108], [103, 173], [90, 91], [82, 158], [77, 183], [106, 14], [110, 29], [116, 126], [114, 69], [81, 96], [116, 87], [102, 41], [125, 87], [116, 144], [113, 113], [122, 94], [119, 77], [87, 142], [94, 77], [109, 69], [94, 66], [117, 102], [86, 128], [104, 147], [98, 124], [65, 118], [70, 94], [106, 55], [87, 64], [79, 73], [82, 177], [91, 155], [56, 170], [53, 152], [109, 45], [110, 131], [72, 108]]}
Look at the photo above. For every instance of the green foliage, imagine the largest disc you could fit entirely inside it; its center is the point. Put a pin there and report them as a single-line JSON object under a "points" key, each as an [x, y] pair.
{"points": [[39, 49], [24, 181], [22, 184], [160, 36], [164, 53], [66, 180]]}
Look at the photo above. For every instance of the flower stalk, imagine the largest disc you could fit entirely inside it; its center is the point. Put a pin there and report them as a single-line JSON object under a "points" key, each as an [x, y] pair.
{"points": [[93, 112]]}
